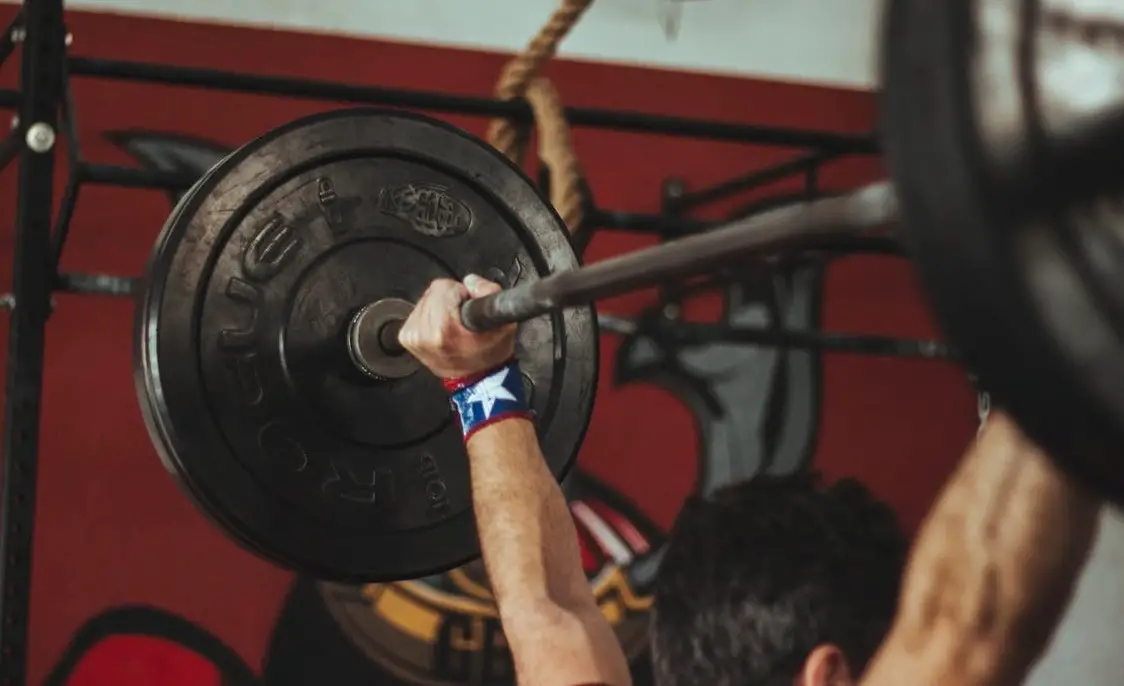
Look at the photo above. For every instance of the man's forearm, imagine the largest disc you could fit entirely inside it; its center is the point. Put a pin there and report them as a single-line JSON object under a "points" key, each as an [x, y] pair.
{"points": [[531, 551], [992, 570], [526, 530]]}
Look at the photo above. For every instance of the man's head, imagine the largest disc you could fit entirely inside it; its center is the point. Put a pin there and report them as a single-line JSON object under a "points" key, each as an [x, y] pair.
{"points": [[777, 581]]}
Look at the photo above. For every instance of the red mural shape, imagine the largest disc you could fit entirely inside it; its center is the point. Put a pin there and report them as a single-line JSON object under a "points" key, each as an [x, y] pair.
{"points": [[141, 646], [142, 661]]}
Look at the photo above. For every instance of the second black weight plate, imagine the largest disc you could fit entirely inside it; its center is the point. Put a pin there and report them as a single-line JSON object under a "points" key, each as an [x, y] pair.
{"points": [[242, 363], [1008, 265]]}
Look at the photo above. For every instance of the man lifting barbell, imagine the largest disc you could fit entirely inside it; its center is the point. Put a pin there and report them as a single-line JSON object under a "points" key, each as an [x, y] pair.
{"points": [[274, 392], [990, 574]]}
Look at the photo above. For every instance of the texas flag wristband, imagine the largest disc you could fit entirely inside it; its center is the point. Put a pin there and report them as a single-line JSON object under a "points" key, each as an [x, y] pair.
{"points": [[489, 397]]}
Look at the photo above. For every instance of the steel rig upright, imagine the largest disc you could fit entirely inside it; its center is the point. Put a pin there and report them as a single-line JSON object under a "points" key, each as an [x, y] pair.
{"points": [[42, 38]]}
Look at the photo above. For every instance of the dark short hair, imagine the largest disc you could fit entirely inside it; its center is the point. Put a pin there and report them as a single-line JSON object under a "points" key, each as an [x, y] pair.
{"points": [[757, 575]]}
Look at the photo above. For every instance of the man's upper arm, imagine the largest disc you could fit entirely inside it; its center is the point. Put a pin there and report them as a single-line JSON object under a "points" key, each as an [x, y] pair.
{"points": [[554, 646], [991, 570]]}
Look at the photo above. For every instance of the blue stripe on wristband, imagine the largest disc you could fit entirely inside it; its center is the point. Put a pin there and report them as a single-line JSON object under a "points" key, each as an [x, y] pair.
{"points": [[495, 396]]}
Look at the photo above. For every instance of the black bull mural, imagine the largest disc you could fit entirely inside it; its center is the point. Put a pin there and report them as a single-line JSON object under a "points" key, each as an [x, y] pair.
{"points": [[757, 410]]}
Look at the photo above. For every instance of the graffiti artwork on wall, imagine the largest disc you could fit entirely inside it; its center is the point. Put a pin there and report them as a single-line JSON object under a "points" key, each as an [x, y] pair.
{"points": [[757, 410]]}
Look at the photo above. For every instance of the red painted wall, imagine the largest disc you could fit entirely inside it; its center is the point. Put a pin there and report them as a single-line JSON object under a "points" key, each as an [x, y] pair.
{"points": [[111, 526]]}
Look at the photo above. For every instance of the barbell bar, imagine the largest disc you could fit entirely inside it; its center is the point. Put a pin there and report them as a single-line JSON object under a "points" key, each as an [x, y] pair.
{"points": [[865, 209], [869, 208]]}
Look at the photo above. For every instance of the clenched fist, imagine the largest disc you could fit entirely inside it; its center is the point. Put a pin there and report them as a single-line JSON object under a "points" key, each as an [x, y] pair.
{"points": [[433, 333]]}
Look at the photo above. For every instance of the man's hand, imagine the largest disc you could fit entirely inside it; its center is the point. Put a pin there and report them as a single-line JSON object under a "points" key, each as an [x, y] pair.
{"points": [[557, 633], [435, 336]]}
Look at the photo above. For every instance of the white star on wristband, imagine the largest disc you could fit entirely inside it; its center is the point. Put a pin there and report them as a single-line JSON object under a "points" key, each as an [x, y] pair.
{"points": [[488, 390]]}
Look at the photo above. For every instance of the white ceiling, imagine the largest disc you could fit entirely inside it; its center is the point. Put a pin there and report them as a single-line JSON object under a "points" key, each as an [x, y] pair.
{"points": [[818, 41]]}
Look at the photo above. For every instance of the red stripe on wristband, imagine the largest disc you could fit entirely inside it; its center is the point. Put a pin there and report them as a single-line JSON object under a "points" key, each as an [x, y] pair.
{"points": [[455, 384]]}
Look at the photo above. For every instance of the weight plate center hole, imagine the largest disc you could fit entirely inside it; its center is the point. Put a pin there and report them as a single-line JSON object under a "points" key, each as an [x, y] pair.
{"points": [[372, 340]]}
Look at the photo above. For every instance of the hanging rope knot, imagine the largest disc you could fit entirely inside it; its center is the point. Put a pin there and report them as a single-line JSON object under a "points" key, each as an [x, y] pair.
{"points": [[520, 79]]}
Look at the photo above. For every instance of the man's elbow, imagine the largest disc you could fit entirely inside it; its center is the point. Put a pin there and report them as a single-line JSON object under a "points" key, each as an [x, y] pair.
{"points": [[550, 606], [578, 639], [542, 614]]}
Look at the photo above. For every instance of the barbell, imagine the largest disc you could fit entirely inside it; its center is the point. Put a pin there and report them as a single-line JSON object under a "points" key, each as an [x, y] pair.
{"points": [[275, 391]]}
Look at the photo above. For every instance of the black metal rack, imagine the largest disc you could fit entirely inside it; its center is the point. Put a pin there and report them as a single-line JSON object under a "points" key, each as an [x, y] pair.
{"points": [[45, 112]]}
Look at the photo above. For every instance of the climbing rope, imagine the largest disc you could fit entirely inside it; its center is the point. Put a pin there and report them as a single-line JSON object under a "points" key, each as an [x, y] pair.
{"points": [[556, 150], [520, 79]]}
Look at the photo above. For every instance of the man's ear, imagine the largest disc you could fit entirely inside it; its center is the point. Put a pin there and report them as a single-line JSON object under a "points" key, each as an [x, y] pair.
{"points": [[826, 666]]}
